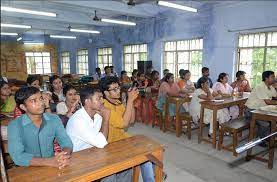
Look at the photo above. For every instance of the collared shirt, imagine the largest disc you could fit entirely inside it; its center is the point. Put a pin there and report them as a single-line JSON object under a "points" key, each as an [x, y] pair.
{"points": [[259, 94], [26, 141], [85, 131], [116, 123], [96, 77]]}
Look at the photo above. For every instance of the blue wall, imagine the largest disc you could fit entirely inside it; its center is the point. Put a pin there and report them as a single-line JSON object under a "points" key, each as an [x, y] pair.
{"points": [[211, 22]]}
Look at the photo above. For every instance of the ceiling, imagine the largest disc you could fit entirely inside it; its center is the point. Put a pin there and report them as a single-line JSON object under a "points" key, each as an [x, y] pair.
{"points": [[79, 14]]}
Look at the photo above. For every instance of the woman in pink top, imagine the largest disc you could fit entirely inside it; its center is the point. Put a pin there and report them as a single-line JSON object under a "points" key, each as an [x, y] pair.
{"points": [[241, 83], [169, 88], [223, 89]]}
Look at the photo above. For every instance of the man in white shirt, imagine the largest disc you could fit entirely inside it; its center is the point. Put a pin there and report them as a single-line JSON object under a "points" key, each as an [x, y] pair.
{"points": [[97, 75], [89, 127], [264, 94]]}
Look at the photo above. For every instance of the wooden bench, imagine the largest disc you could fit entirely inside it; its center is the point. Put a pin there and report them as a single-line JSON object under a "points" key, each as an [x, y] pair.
{"points": [[234, 127], [158, 116]]}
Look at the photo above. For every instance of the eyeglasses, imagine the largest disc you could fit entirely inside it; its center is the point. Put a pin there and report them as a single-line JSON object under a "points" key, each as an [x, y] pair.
{"points": [[115, 89]]}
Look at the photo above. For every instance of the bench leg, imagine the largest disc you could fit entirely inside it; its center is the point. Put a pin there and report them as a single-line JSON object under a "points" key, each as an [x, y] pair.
{"points": [[221, 137], [235, 143], [189, 129]]}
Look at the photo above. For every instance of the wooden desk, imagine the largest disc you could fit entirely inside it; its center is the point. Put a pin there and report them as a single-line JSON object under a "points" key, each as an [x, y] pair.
{"points": [[266, 117], [92, 164], [215, 106], [178, 101]]}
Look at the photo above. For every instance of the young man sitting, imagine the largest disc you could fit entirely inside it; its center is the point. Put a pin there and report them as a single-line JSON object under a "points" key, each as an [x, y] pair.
{"points": [[121, 117], [31, 135], [264, 94], [89, 126]]}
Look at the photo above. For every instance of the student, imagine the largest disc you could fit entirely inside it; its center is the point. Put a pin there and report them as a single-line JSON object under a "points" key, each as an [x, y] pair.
{"points": [[262, 95], [113, 73], [124, 79], [204, 92], [89, 127], [34, 81], [205, 73], [31, 136], [184, 83], [97, 75], [169, 88], [241, 84], [71, 103], [165, 71], [148, 72], [155, 82], [134, 76], [121, 117], [224, 90], [108, 72], [7, 103], [56, 88]]}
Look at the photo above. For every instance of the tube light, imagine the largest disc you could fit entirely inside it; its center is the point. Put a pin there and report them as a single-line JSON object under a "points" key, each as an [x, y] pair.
{"points": [[84, 31], [62, 37], [19, 10], [177, 6], [118, 22], [15, 26], [33, 43], [8, 33], [19, 39]]}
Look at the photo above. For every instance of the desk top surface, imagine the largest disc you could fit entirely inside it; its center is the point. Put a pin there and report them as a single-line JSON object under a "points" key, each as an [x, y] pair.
{"points": [[225, 101], [90, 161]]}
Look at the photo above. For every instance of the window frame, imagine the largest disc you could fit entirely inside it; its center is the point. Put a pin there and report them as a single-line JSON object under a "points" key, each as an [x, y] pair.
{"points": [[78, 62], [62, 62], [110, 62], [42, 61]]}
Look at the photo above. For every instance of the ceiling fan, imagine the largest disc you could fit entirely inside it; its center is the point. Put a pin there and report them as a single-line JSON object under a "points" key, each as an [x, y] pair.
{"points": [[134, 2]]}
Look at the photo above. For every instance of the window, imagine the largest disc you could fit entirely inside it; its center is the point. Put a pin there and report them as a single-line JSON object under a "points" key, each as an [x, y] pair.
{"points": [[82, 62], [133, 54], [104, 57], [184, 54], [65, 63], [257, 53], [38, 62]]}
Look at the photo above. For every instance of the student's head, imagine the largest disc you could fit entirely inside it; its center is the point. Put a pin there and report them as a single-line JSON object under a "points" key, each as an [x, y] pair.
{"points": [[30, 100], [169, 78], [268, 77], [56, 83], [107, 70], [165, 71], [155, 75], [98, 70], [187, 75], [110, 87], [112, 69], [70, 93], [240, 75], [203, 82], [123, 73], [149, 69], [5, 88], [205, 71], [135, 73], [34, 81], [223, 78], [181, 73], [141, 76], [91, 98]]}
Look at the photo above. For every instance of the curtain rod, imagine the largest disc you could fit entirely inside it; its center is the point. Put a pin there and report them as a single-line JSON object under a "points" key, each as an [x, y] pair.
{"points": [[251, 29]]}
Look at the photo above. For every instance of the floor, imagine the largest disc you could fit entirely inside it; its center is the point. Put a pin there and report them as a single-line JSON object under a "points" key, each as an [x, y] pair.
{"points": [[186, 160]]}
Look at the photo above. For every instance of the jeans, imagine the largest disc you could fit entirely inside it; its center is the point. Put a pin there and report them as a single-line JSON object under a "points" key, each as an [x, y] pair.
{"points": [[124, 176], [147, 172]]}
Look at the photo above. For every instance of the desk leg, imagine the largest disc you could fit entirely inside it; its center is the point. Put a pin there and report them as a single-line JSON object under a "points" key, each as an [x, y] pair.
{"points": [[178, 122], [271, 146], [159, 170], [136, 173], [251, 135], [241, 109], [214, 127], [200, 134]]}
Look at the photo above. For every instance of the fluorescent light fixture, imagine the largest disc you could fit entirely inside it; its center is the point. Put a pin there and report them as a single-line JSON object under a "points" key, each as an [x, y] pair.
{"points": [[15, 26], [84, 31], [33, 43], [118, 22], [177, 6], [19, 10], [19, 39], [62, 37], [8, 33]]}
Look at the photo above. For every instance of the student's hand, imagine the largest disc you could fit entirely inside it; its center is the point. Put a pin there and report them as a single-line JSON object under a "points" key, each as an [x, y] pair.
{"points": [[46, 98], [63, 159], [132, 94], [104, 112]]}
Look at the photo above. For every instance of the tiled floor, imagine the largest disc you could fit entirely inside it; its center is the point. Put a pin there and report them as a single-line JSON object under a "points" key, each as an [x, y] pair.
{"points": [[187, 161]]}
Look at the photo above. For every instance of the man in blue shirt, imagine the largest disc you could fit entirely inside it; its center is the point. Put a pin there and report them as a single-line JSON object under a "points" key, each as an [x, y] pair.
{"points": [[31, 136], [205, 73]]}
